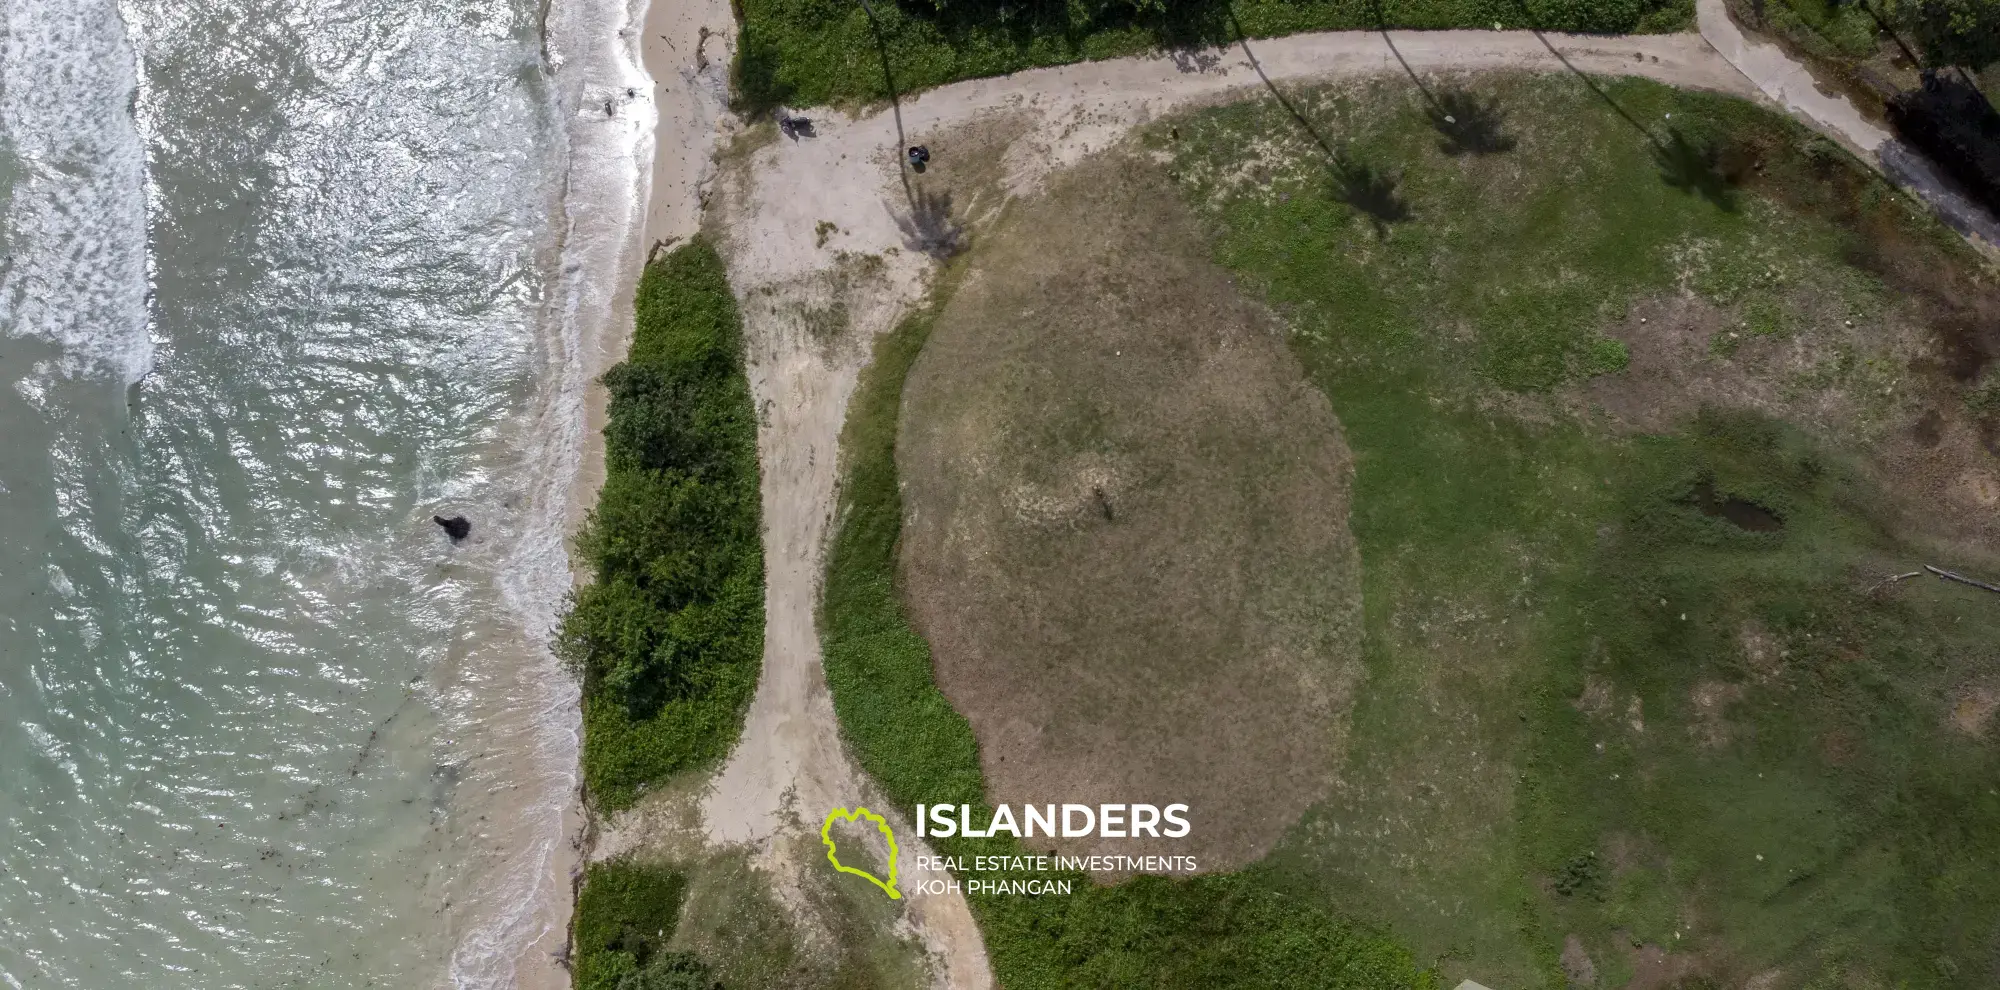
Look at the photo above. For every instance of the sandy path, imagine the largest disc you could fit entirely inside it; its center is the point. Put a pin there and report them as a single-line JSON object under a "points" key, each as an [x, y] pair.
{"points": [[849, 176], [1786, 82], [1790, 85]]}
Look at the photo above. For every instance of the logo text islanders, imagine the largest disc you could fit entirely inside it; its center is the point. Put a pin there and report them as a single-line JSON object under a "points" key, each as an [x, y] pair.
{"points": [[1000, 867]]}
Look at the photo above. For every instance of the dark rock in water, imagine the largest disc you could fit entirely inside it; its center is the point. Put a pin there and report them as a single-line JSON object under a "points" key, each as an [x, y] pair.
{"points": [[456, 527]]}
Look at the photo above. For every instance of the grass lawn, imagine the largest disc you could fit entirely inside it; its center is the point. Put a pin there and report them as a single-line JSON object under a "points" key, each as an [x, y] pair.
{"points": [[810, 52], [1208, 932], [1600, 714], [1639, 705]]}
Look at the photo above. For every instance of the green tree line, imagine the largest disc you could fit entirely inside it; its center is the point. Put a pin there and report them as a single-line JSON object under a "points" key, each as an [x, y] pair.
{"points": [[669, 636]]}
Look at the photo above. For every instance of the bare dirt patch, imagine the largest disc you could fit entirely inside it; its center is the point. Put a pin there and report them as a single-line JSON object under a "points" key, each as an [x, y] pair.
{"points": [[1711, 699], [1675, 370], [1576, 963], [1596, 699], [1654, 968], [1909, 383], [1630, 851], [1766, 980], [1762, 650], [1125, 533], [1599, 700], [1908, 387], [1972, 711]]}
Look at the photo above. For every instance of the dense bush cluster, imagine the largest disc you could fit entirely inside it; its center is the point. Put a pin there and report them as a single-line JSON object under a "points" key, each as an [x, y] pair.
{"points": [[625, 916], [668, 637]]}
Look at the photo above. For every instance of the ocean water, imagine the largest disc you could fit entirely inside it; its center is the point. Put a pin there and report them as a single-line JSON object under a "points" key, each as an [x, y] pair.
{"points": [[280, 279]]}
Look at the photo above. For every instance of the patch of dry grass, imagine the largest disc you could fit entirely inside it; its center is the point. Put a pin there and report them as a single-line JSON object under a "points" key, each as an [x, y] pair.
{"points": [[1125, 524]]}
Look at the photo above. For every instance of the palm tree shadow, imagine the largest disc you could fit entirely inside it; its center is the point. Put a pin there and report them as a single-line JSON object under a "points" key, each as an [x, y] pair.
{"points": [[929, 227], [1468, 127], [1354, 182], [1694, 166], [1368, 189]]}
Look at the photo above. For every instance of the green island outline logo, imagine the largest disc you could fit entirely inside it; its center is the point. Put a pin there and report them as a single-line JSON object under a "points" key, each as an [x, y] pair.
{"points": [[826, 836]]}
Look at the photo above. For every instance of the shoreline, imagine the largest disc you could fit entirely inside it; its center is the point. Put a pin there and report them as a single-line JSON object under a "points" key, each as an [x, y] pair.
{"points": [[593, 57], [674, 160], [671, 193]]}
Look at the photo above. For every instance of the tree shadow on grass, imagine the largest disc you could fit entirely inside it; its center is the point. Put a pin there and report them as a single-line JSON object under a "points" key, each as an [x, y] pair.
{"points": [[1018, 26], [757, 87], [1357, 183], [1192, 24], [1368, 189], [1468, 126], [1688, 164], [1694, 165]]}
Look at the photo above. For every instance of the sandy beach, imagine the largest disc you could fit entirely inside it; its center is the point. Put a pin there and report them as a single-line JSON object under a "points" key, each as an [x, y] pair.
{"points": [[685, 48]]}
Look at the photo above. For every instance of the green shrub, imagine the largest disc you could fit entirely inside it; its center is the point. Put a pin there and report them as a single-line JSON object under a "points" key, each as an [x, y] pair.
{"points": [[672, 971], [668, 637], [625, 914]]}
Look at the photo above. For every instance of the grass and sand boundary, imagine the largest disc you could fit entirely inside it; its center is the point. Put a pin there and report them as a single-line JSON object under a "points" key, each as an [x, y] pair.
{"points": [[1584, 871], [1160, 604]]}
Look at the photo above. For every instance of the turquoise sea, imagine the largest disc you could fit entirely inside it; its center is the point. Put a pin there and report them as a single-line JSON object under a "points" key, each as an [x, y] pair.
{"points": [[279, 280]]}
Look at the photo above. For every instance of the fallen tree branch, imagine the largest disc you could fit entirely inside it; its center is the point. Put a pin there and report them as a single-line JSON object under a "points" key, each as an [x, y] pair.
{"points": [[1960, 578], [1892, 579]]}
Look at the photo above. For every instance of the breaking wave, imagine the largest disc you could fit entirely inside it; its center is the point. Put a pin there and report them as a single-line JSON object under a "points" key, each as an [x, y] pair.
{"points": [[75, 221]]}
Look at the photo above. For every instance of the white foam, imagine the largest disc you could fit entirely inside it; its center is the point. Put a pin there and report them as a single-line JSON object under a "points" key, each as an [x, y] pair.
{"points": [[76, 221], [593, 48]]}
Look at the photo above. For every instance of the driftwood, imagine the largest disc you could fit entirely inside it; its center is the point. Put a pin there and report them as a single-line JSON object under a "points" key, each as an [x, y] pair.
{"points": [[1961, 579]]}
